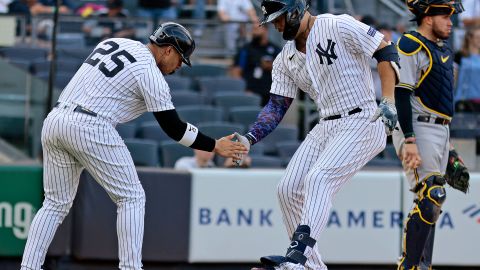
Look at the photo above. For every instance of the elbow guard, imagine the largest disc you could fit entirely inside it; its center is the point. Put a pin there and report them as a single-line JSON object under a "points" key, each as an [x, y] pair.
{"points": [[389, 54]]}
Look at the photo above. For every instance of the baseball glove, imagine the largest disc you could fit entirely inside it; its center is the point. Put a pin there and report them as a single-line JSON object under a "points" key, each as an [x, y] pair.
{"points": [[457, 175]]}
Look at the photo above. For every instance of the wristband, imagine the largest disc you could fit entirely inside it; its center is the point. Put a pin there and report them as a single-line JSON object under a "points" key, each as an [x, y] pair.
{"points": [[410, 140]]}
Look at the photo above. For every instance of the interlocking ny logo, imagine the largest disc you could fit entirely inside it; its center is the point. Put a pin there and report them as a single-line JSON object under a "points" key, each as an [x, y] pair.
{"points": [[328, 53]]}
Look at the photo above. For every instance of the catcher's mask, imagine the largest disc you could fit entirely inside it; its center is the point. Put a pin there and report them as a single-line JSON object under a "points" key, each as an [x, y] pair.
{"points": [[293, 9], [174, 34], [422, 8]]}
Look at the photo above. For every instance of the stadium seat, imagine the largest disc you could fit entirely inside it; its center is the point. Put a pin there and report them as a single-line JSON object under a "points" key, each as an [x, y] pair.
{"points": [[286, 149], [257, 149], [178, 83], [199, 113], [12, 79], [464, 125], [219, 129], [464, 120], [25, 53], [259, 161], [245, 115], [75, 54], [281, 133], [63, 65], [229, 100], [71, 40], [12, 127], [152, 131], [145, 117], [61, 78], [144, 152], [23, 64], [185, 98], [126, 130], [203, 70], [211, 86], [172, 151]]}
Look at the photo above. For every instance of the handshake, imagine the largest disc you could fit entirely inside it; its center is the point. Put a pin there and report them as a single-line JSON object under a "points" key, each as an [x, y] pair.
{"points": [[233, 146], [245, 142]]}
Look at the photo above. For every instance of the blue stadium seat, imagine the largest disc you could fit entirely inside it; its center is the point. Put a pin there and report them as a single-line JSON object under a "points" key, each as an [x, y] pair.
{"points": [[464, 125], [212, 85], [144, 152], [245, 115], [152, 131], [126, 130], [219, 129], [185, 98], [229, 100], [25, 53], [281, 133], [203, 70], [145, 117], [63, 65], [286, 149], [199, 113], [172, 151], [25, 65], [178, 82], [61, 78]]}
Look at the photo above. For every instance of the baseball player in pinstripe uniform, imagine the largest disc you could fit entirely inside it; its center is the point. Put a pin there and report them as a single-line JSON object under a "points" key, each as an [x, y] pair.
{"points": [[120, 80], [327, 57], [425, 107]]}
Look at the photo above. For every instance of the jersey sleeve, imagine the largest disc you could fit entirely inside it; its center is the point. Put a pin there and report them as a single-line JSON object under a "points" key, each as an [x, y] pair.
{"points": [[282, 82], [408, 72], [359, 37], [154, 90]]}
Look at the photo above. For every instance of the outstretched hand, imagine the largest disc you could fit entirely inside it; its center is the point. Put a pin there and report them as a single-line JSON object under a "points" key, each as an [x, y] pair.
{"points": [[225, 147]]}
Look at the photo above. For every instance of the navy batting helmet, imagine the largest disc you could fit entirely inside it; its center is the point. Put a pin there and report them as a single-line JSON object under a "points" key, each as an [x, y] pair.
{"points": [[294, 10], [422, 8], [174, 34]]}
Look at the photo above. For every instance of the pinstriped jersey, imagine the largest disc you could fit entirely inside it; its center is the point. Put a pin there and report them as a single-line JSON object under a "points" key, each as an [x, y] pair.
{"points": [[335, 71], [119, 81]]}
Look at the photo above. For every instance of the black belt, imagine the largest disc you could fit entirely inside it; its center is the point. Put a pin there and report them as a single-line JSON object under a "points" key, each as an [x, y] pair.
{"points": [[80, 109], [338, 116], [438, 120]]}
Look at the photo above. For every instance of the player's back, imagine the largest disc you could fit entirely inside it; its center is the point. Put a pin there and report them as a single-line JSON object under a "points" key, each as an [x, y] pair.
{"points": [[110, 79]]}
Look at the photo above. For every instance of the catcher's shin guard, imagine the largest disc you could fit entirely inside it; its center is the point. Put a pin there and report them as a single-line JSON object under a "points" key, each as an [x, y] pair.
{"points": [[426, 260], [300, 240], [421, 220]]}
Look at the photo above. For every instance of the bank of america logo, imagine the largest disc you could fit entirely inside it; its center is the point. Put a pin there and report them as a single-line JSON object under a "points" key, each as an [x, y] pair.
{"points": [[473, 211]]}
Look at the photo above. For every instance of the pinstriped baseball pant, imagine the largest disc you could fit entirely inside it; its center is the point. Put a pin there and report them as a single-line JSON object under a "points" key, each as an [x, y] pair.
{"points": [[72, 141], [330, 156]]}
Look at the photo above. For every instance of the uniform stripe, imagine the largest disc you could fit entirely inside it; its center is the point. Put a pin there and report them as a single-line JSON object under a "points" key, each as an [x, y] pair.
{"points": [[335, 72], [72, 141]]}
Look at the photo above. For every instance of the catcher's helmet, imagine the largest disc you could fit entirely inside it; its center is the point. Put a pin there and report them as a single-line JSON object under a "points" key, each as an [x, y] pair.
{"points": [[294, 10], [174, 34], [422, 8]]}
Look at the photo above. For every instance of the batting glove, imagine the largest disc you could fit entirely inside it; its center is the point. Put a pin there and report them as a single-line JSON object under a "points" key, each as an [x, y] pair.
{"points": [[243, 140], [388, 112]]}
